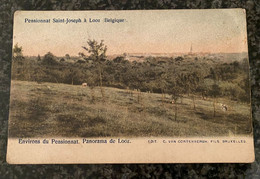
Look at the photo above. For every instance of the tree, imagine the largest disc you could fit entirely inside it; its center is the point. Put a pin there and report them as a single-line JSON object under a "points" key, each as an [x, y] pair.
{"points": [[182, 84], [245, 64], [163, 85], [245, 85], [175, 92], [175, 89], [67, 56], [38, 58], [215, 91], [192, 84], [49, 59], [235, 66], [97, 53], [21, 65], [96, 50], [18, 52]]}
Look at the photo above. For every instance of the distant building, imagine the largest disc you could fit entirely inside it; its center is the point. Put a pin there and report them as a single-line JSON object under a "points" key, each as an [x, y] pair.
{"points": [[190, 53]]}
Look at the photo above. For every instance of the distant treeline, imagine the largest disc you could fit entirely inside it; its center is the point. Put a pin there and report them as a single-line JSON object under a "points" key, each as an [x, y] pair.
{"points": [[176, 76]]}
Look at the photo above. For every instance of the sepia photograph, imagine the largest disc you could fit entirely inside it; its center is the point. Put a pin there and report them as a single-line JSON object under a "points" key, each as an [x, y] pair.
{"points": [[164, 86], [137, 76]]}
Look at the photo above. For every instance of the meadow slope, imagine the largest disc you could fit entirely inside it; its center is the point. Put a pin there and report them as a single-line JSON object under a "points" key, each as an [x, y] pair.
{"points": [[61, 110]]}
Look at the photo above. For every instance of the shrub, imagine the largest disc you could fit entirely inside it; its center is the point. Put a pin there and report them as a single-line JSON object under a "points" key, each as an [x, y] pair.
{"points": [[49, 59]]}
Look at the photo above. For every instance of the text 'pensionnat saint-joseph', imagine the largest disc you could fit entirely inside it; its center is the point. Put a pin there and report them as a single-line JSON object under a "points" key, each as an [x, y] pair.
{"points": [[75, 21]]}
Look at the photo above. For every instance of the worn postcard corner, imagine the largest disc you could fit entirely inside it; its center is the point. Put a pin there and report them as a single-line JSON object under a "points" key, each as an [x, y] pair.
{"points": [[153, 86]]}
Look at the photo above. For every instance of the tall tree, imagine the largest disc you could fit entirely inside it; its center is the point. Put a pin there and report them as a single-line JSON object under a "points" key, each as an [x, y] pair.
{"points": [[97, 53]]}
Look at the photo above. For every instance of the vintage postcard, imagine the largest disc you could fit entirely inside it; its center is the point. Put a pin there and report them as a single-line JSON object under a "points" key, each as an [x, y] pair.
{"points": [[141, 86]]}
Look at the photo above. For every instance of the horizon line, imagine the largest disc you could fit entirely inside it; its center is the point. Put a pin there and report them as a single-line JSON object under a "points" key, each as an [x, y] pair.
{"points": [[172, 53]]}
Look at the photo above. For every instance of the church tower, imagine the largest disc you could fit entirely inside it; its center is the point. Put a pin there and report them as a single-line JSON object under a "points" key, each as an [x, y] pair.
{"points": [[190, 49]]}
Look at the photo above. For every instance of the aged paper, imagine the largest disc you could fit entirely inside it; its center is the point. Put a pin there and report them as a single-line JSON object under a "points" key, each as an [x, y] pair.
{"points": [[150, 86]]}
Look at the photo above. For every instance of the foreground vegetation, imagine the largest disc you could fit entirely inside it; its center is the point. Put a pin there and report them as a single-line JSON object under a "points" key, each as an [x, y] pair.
{"points": [[54, 109]]}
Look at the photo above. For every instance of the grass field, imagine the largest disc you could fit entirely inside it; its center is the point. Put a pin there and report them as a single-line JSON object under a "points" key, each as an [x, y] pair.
{"points": [[61, 110]]}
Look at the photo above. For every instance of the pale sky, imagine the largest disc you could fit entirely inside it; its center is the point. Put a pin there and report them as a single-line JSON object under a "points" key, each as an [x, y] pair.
{"points": [[149, 31]]}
